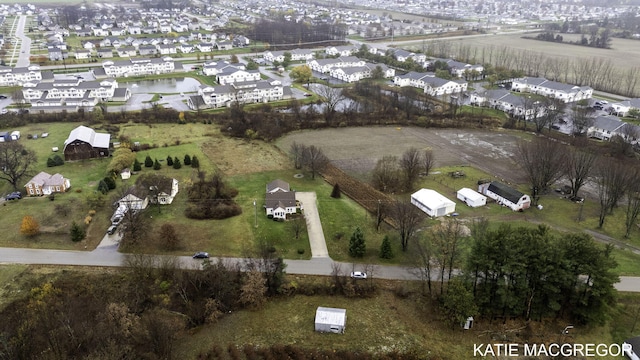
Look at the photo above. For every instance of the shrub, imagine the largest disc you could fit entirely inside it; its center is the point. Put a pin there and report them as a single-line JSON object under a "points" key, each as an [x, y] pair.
{"points": [[103, 187], [187, 160], [176, 163], [169, 160], [300, 251], [55, 160], [52, 196], [137, 166], [385, 249], [29, 226], [195, 163], [156, 165]]}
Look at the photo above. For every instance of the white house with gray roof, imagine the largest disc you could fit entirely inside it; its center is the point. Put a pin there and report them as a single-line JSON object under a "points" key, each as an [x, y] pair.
{"points": [[17, 76], [623, 107], [541, 86], [140, 66], [243, 92], [606, 127], [326, 65]]}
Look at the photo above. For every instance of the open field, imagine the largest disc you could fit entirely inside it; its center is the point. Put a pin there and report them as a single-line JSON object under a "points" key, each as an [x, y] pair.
{"points": [[623, 53]]}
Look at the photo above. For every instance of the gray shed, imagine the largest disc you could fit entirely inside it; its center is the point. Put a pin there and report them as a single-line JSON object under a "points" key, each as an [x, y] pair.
{"points": [[331, 320]]}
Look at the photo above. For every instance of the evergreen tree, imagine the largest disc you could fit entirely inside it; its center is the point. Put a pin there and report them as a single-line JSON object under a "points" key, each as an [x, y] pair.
{"points": [[137, 166], [176, 163], [385, 249], [103, 187], [77, 232], [156, 165], [187, 160], [336, 191], [169, 160], [195, 163], [357, 246], [110, 182], [148, 162]]}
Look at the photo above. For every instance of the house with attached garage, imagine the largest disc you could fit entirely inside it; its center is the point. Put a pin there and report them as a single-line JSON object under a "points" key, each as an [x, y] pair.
{"points": [[505, 195], [46, 184], [541, 86], [85, 143], [279, 200], [161, 189]]}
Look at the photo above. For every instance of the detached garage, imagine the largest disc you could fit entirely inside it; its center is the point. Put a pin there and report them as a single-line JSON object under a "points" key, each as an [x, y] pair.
{"points": [[432, 202], [471, 197], [331, 320]]}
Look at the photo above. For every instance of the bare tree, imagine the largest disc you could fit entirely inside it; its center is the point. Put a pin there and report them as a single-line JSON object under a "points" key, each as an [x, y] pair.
{"points": [[421, 257], [543, 161], [428, 161], [633, 202], [331, 97], [314, 159], [623, 143], [445, 239], [410, 164], [386, 174], [407, 218], [297, 225], [583, 119], [16, 162], [296, 151], [612, 180], [554, 111], [578, 168]]}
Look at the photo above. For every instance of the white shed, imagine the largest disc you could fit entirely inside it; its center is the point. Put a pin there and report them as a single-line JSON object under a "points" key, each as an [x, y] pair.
{"points": [[15, 135], [432, 202], [471, 198], [331, 320]]}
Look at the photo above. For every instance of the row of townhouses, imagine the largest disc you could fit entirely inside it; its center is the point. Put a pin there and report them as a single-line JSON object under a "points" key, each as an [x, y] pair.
{"points": [[16, 76], [260, 91], [430, 84], [227, 73], [71, 94], [137, 67]]}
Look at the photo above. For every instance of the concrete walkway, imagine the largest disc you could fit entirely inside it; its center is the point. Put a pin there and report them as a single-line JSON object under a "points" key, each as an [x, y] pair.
{"points": [[314, 226]]}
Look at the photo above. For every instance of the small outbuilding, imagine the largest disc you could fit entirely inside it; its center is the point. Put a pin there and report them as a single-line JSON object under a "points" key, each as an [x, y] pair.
{"points": [[15, 135], [4, 136], [471, 198], [330, 320], [505, 195], [432, 202]]}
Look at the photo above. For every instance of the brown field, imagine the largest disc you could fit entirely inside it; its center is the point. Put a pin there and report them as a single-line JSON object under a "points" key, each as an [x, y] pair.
{"points": [[238, 157], [356, 150], [623, 53]]}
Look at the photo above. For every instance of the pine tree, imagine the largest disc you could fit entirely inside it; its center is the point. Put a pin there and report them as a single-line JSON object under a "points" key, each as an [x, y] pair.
{"points": [[195, 163], [336, 191], [357, 246], [110, 182], [148, 162], [176, 163], [187, 160], [169, 160], [156, 165], [137, 166], [29, 226], [103, 187], [77, 232], [385, 249]]}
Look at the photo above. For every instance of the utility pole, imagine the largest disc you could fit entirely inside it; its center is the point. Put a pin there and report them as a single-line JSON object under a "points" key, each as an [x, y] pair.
{"points": [[255, 212]]}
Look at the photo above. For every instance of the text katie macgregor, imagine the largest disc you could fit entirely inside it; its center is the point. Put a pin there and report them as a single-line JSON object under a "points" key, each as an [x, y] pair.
{"points": [[537, 350]]}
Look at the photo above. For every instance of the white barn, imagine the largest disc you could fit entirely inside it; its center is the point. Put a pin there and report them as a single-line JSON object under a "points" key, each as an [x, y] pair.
{"points": [[330, 320], [505, 195], [432, 203], [471, 198]]}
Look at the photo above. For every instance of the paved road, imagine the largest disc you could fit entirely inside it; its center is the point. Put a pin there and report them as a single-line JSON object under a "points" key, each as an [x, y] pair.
{"points": [[25, 43]]}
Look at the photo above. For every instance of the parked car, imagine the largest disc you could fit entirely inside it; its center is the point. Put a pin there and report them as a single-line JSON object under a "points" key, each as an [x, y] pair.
{"points": [[13, 196], [201, 255], [358, 275], [117, 220], [3, 97], [112, 229]]}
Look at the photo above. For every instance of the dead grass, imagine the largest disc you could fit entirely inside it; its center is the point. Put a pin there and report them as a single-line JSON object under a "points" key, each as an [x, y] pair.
{"points": [[237, 156]]}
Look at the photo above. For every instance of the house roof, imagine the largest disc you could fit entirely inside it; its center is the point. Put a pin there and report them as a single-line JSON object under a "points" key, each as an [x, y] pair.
{"points": [[88, 135], [163, 183], [280, 199], [275, 184], [45, 179], [608, 123], [432, 198], [505, 191], [331, 316]]}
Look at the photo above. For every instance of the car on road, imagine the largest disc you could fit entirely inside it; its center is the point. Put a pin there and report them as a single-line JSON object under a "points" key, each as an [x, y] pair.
{"points": [[4, 111], [117, 220], [112, 229], [13, 196], [358, 275], [201, 255], [3, 97]]}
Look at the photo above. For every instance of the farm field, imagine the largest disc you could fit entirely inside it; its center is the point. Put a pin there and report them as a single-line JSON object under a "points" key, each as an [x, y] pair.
{"points": [[623, 52]]}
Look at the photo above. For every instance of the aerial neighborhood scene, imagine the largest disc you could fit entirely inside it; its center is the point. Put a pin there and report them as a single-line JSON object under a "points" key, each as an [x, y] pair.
{"points": [[348, 179]]}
